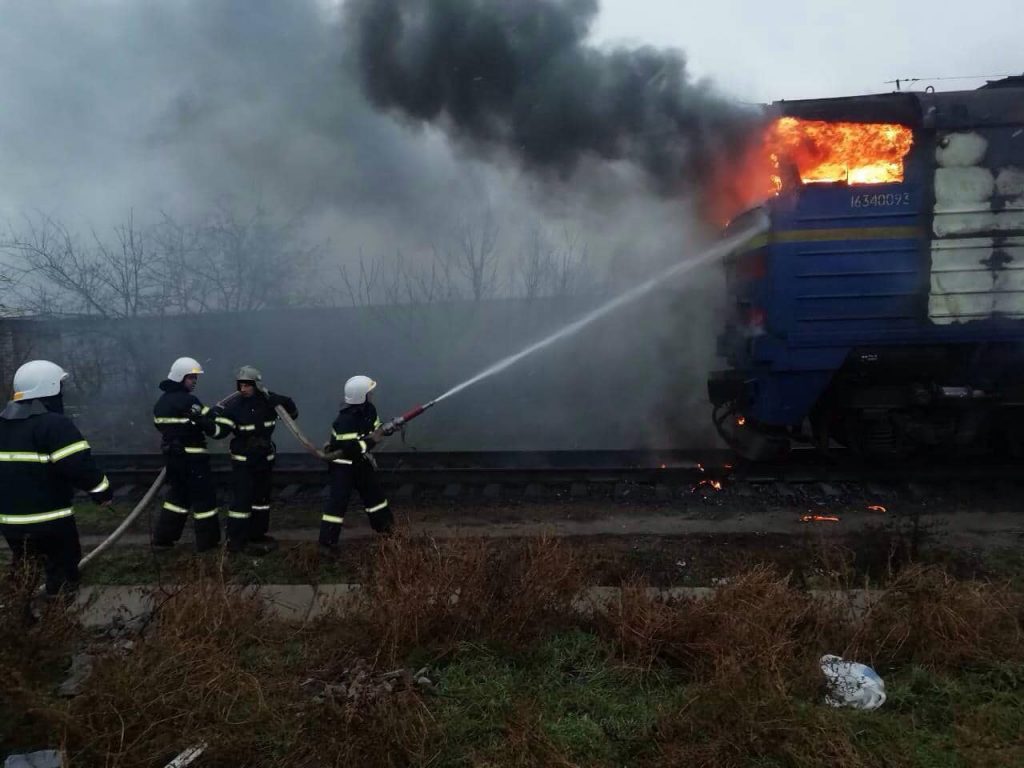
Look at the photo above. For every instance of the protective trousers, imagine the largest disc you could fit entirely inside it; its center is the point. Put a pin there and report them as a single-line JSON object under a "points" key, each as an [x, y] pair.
{"points": [[191, 488], [55, 543], [344, 478], [249, 515]]}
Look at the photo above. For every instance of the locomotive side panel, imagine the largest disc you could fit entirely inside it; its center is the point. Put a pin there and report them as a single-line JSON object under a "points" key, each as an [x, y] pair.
{"points": [[888, 315]]}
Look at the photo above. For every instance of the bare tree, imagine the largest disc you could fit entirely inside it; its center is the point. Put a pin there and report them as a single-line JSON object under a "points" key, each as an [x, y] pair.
{"points": [[184, 290], [440, 282], [361, 284], [226, 262], [6, 284], [127, 272], [60, 274], [253, 262], [535, 264], [545, 268], [569, 263], [399, 279], [476, 256]]}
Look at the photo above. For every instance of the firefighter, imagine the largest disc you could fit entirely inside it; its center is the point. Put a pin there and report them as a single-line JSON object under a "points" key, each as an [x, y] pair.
{"points": [[184, 423], [251, 417], [43, 459], [353, 435]]}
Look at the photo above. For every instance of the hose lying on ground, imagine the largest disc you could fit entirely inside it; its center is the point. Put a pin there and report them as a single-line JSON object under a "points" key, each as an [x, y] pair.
{"points": [[119, 531]]}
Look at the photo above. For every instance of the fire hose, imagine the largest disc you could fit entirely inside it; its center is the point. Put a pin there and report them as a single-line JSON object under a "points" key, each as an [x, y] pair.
{"points": [[119, 531], [144, 502], [388, 428]]}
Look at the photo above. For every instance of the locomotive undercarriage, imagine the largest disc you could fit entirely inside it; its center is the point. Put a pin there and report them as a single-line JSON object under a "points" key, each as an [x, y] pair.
{"points": [[901, 403]]}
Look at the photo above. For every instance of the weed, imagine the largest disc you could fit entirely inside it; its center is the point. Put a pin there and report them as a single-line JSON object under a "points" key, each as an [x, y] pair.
{"points": [[727, 679]]}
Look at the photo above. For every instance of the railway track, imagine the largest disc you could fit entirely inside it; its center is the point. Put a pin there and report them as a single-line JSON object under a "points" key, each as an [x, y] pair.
{"points": [[538, 475]]}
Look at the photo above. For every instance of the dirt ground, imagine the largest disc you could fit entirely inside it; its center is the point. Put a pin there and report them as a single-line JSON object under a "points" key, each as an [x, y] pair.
{"points": [[955, 515], [694, 539]]}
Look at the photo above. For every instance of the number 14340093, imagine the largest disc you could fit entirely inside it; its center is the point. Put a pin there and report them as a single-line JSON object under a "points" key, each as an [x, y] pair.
{"points": [[880, 200]]}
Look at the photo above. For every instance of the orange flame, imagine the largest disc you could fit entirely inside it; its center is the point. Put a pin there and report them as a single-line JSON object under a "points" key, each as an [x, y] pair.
{"points": [[741, 420], [792, 151], [819, 519], [876, 508], [716, 484], [857, 153]]}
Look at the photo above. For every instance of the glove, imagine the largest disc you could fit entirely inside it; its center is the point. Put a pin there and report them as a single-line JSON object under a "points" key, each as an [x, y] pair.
{"points": [[195, 412], [387, 430]]}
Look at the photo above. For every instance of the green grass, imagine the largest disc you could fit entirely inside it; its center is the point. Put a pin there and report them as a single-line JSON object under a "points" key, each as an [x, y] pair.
{"points": [[140, 565], [593, 711], [94, 519], [90, 517], [292, 563], [953, 720], [1006, 563], [588, 709]]}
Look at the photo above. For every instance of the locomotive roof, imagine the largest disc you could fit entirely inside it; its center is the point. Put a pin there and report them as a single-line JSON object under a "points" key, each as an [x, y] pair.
{"points": [[997, 103]]}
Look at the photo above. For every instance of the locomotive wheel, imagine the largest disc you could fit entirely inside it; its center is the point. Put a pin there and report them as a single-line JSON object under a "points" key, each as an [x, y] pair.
{"points": [[874, 436]]}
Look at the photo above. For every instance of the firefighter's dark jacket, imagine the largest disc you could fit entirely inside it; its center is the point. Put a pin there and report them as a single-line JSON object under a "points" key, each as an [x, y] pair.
{"points": [[43, 459], [350, 432], [252, 420], [184, 422]]}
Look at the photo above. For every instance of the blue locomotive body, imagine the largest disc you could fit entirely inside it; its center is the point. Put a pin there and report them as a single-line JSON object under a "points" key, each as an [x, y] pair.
{"points": [[887, 317]]}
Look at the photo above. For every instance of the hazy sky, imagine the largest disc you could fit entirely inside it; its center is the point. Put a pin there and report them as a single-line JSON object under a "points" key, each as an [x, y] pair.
{"points": [[788, 49], [169, 105]]}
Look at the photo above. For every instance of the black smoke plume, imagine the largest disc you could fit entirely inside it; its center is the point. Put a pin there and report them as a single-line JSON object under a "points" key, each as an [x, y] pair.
{"points": [[519, 75]]}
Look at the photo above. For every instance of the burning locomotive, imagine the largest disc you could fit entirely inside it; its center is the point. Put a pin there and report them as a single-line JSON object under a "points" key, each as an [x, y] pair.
{"points": [[884, 308]]}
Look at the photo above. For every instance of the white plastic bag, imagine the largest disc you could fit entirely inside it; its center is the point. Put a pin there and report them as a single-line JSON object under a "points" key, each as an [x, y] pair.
{"points": [[851, 684]]}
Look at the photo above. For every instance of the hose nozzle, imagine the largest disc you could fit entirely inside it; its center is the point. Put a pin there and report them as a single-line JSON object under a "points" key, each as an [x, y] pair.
{"points": [[399, 421]]}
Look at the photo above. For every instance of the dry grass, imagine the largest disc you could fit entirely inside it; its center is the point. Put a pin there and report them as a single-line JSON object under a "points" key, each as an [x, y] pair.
{"points": [[421, 593], [213, 666], [33, 654], [758, 629], [188, 680], [926, 617], [759, 622]]}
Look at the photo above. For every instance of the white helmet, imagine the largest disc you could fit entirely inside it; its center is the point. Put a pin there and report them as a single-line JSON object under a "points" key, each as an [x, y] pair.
{"points": [[182, 367], [357, 388], [38, 378]]}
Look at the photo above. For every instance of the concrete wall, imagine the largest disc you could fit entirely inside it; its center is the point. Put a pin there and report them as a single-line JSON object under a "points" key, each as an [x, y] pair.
{"points": [[633, 379]]}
